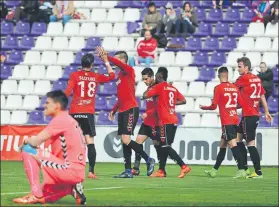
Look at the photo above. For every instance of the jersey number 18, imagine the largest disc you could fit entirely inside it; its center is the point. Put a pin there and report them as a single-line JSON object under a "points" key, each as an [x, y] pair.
{"points": [[91, 88]]}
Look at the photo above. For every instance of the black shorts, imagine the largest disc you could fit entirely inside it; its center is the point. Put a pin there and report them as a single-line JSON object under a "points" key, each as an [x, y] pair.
{"points": [[127, 121], [86, 123], [167, 133], [248, 126], [229, 132], [149, 131]]}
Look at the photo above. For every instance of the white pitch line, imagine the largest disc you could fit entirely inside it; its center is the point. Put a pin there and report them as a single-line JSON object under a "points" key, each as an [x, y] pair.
{"points": [[108, 188]]}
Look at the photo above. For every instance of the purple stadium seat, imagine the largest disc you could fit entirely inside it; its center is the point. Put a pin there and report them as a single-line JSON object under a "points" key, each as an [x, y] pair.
{"points": [[113, 99], [22, 28], [210, 44], [180, 118], [59, 85], [160, 3], [143, 107], [38, 28], [206, 4], [201, 14], [15, 57], [132, 27], [177, 41], [92, 43], [97, 60], [228, 44], [217, 59], [109, 89], [176, 3], [200, 59], [124, 4], [239, 29], [12, 3], [102, 69], [215, 15], [47, 119], [140, 121], [275, 71], [26, 43], [10, 43], [247, 15], [232, 15], [6, 71], [263, 122], [7, 28], [100, 103], [275, 121], [68, 70], [103, 119], [162, 11], [272, 104], [221, 29], [194, 3], [203, 30], [36, 117], [178, 12], [78, 57], [194, 44], [206, 74], [275, 90], [143, 12]]}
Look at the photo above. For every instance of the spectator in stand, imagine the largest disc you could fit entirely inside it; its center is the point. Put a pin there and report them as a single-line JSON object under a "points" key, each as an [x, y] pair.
{"points": [[220, 4], [151, 19], [3, 57], [27, 9], [62, 10], [188, 21], [168, 21], [266, 76], [146, 50], [45, 10], [3, 10], [273, 15], [261, 9]]}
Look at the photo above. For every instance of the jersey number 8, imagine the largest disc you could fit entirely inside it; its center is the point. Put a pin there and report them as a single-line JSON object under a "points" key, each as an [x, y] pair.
{"points": [[90, 91]]}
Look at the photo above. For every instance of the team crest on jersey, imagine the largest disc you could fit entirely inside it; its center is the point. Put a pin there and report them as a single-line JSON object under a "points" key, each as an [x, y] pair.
{"points": [[149, 99], [130, 122], [80, 157]]}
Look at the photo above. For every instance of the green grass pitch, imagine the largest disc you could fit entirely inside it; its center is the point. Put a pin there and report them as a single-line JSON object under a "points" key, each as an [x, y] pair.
{"points": [[196, 189]]}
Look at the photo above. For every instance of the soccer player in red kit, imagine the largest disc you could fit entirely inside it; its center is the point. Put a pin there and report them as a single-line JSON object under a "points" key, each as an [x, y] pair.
{"points": [[127, 107], [84, 84], [252, 92], [167, 97], [227, 98], [63, 168]]}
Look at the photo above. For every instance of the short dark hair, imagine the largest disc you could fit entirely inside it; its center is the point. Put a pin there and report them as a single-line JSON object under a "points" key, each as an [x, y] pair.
{"points": [[151, 4], [246, 62], [147, 71], [122, 54], [58, 96], [87, 60], [223, 70], [164, 72], [263, 63]]}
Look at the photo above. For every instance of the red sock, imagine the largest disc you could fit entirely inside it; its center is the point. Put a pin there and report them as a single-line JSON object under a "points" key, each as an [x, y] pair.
{"points": [[55, 192], [32, 170]]}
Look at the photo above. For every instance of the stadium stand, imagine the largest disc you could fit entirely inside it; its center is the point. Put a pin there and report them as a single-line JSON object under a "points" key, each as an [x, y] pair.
{"points": [[41, 59]]}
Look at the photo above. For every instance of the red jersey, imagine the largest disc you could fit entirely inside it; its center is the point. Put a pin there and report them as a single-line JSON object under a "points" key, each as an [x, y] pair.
{"points": [[251, 90], [151, 119], [126, 86], [84, 85], [166, 96], [67, 141], [227, 97]]}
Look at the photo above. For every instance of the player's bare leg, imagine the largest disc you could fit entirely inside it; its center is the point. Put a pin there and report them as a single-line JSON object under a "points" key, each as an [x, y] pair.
{"points": [[243, 151], [255, 157], [220, 157], [91, 153]]}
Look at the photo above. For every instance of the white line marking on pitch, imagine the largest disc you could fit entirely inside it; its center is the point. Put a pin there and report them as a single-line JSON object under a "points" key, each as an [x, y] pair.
{"points": [[108, 188]]}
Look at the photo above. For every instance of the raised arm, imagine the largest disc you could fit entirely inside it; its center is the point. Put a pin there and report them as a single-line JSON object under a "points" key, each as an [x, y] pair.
{"points": [[214, 103], [71, 85], [123, 66]]}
